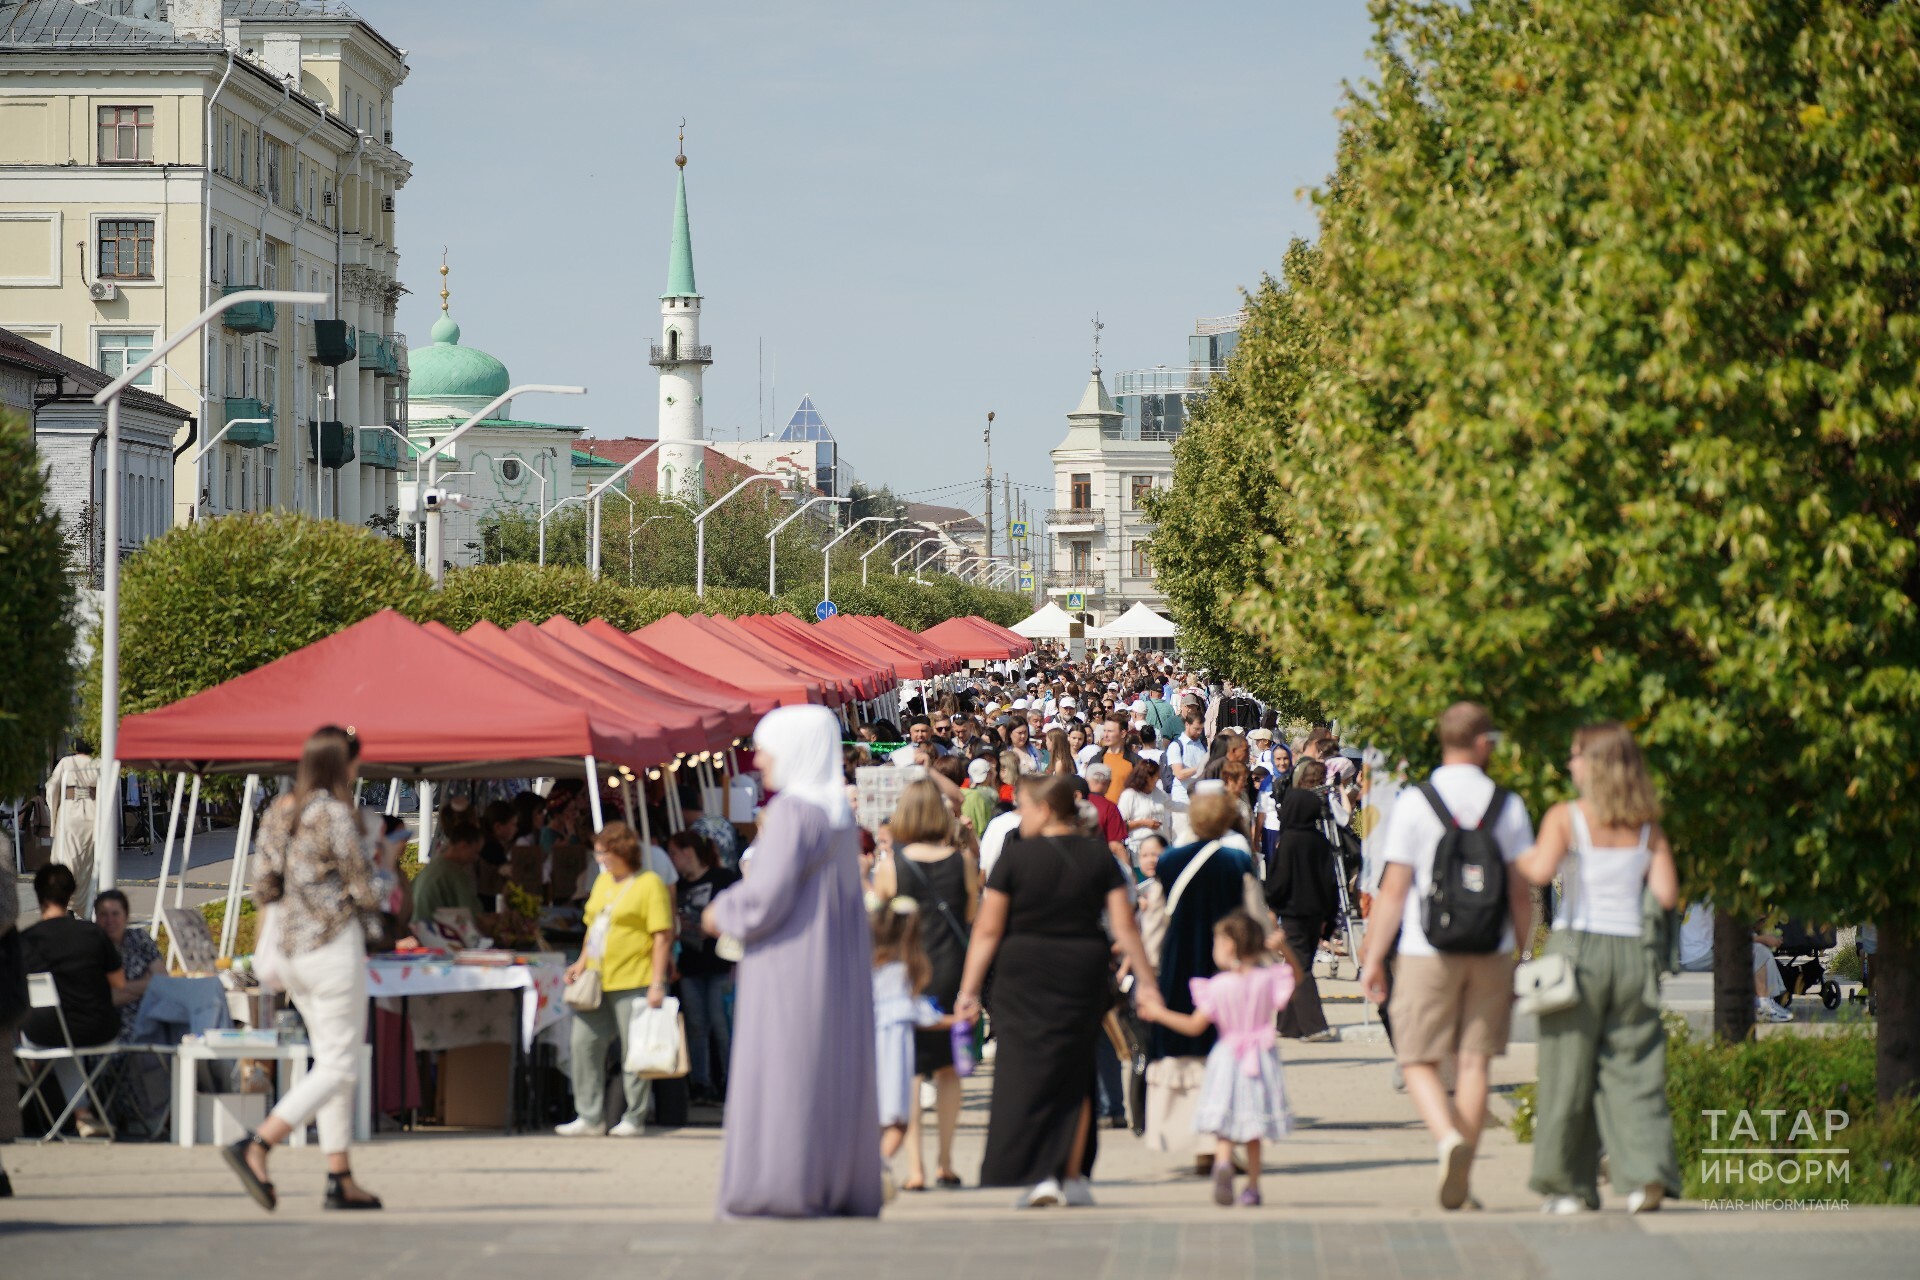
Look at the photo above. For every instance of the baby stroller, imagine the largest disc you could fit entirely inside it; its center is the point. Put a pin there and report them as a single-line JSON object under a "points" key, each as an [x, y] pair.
{"points": [[1798, 959]]}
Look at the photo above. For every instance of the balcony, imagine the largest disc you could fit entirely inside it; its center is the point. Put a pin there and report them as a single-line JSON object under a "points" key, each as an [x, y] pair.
{"points": [[1076, 520], [332, 442], [335, 342], [249, 435], [379, 449], [660, 357], [1086, 581], [248, 317], [379, 355]]}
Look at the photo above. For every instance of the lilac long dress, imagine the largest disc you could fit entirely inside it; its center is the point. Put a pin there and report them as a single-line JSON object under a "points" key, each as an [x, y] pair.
{"points": [[803, 1124]]}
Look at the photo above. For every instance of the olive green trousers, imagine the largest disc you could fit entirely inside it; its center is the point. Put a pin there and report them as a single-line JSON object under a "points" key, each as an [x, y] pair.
{"points": [[1603, 1076]]}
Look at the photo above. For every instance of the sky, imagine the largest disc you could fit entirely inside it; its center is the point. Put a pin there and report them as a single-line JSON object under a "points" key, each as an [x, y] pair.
{"points": [[915, 210]]}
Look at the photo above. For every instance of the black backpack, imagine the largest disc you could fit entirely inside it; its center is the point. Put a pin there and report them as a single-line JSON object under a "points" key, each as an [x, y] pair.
{"points": [[1465, 908]]}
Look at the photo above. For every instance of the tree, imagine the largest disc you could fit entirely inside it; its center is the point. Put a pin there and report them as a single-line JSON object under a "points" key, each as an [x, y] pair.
{"points": [[36, 616], [1620, 422], [1214, 528]]}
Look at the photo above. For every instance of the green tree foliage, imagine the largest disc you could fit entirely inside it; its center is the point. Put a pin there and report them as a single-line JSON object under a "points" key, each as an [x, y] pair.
{"points": [[36, 616], [214, 599], [1621, 421], [504, 594], [1216, 527]]}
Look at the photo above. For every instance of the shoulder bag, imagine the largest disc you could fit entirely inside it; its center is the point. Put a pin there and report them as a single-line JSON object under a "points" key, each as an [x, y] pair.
{"points": [[583, 993], [1549, 983]]}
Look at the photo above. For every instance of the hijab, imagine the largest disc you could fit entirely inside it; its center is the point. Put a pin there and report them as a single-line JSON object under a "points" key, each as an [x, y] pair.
{"points": [[804, 745]]}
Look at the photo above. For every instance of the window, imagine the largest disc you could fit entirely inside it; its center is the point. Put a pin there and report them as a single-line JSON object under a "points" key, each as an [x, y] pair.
{"points": [[1082, 491], [269, 269], [1080, 558], [244, 468], [246, 370], [273, 172], [226, 276], [246, 263], [126, 249], [226, 485], [269, 376], [246, 145], [1142, 561], [121, 351], [510, 470], [226, 147], [1139, 487], [326, 203], [266, 478], [227, 367], [126, 135], [309, 186]]}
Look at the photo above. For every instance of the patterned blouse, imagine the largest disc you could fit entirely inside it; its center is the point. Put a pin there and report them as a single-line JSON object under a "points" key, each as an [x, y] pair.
{"points": [[323, 871], [138, 955]]}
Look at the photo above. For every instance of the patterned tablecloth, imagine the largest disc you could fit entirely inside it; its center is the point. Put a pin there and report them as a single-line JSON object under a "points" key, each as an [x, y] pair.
{"points": [[479, 1003]]}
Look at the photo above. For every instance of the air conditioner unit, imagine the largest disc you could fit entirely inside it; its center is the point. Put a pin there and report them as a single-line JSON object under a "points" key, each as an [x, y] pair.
{"points": [[103, 291], [386, 204], [326, 198], [387, 137]]}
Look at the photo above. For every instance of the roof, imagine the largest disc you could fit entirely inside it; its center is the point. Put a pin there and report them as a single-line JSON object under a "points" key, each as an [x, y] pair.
{"points": [[721, 471], [448, 369], [1095, 400], [87, 380], [806, 423], [952, 519], [680, 254], [63, 23]]}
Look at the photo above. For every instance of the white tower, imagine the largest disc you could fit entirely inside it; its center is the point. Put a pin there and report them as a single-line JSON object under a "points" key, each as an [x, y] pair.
{"points": [[682, 362]]}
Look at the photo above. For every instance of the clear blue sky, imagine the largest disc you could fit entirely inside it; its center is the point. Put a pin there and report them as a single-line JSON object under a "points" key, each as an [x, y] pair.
{"points": [[918, 207]]}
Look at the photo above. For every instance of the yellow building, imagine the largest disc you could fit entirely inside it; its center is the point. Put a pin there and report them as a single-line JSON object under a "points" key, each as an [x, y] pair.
{"points": [[155, 154]]}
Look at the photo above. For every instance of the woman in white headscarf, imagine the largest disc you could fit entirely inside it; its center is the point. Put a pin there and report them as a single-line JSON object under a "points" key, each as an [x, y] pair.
{"points": [[803, 1122]]}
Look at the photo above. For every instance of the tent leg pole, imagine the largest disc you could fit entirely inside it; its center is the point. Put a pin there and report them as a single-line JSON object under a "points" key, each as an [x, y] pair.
{"points": [[393, 797], [593, 793], [237, 882], [425, 824], [186, 852], [674, 820], [166, 853], [646, 827], [626, 798]]}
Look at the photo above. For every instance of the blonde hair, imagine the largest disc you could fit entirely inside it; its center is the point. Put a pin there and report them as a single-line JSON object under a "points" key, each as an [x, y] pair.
{"points": [[1212, 815], [1618, 788], [921, 816]]}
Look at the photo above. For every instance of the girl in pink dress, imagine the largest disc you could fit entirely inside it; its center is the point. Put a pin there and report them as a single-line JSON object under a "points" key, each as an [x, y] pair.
{"points": [[1243, 1099]]}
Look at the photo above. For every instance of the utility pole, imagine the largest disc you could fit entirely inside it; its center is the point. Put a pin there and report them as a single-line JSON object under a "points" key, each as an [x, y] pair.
{"points": [[988, 437], [1006, 495]]}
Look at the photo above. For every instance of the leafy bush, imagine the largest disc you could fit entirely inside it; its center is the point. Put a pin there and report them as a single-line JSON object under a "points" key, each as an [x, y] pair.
{"points": [[217, 598], [504, 594], [1846, 963], [36, 616]]}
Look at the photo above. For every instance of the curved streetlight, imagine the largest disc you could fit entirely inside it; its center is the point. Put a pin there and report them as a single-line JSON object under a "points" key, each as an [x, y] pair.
{"points": [[826, 552], [875, 547], [924, 542], [700, 529], [539, 475], [818, 498], [106, 837]]}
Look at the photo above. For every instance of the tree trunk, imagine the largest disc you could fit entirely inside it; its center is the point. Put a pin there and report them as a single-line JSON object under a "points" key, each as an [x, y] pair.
{"points": [[1896, 987], [1732, 978]]}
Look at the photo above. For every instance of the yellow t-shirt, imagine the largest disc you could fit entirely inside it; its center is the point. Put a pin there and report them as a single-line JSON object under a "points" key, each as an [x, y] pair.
{"points": [[641, 908]]}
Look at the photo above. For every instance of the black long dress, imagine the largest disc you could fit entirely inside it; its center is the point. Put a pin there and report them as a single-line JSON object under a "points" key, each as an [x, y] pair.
{"points": [[1186, 952], [945, 943], [1302, 893], [1050, 991]]}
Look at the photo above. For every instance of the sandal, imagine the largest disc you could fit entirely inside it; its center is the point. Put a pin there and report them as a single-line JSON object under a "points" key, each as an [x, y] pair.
{"points": [[337, 1198], [235, 1154], [949, 1181]]}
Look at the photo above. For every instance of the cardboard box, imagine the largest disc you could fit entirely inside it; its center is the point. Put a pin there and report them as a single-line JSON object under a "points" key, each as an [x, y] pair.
{"points": [[473, 1085], [221, 1118]]}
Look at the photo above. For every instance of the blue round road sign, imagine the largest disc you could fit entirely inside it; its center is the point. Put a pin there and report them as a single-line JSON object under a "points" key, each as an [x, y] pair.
{"points": [[825, 609]]}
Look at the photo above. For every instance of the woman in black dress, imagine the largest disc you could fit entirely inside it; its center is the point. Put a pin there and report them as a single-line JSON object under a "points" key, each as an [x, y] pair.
{"points": [[1042, 917], [1301, 891], [926, 866]]}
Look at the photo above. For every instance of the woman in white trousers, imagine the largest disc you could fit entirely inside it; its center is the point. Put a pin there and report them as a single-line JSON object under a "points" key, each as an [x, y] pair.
{"points": [[315, 863]]}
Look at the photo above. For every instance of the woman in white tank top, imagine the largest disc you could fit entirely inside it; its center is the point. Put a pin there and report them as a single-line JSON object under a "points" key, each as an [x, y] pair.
{"points": [[1602, 1062]]}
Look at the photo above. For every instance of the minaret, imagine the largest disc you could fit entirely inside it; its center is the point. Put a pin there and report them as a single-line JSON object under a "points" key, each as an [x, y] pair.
{"points": [[682, 361]]}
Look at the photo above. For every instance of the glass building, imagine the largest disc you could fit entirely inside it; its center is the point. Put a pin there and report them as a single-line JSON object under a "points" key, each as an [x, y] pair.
{"points": [[1153, 402]]}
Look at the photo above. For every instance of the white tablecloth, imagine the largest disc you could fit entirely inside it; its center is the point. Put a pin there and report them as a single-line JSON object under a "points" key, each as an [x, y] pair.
{"points": [[390, 979]]}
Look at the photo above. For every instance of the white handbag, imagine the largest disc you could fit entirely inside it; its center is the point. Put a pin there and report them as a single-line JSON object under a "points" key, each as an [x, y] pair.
{"points": [[1549, 983], [269, 957], [657, 1042]]}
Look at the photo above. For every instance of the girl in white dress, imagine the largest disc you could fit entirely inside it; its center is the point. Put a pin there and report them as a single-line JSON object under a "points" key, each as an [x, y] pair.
{"points": [[901, 972]]}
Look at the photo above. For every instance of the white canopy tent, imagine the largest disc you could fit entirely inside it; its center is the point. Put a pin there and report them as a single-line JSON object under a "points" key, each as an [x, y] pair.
{"points": [[1050, 623], [1137, 623]]}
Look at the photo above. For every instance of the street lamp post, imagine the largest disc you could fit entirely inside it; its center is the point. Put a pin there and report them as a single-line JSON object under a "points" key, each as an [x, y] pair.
{"points": [[924, 542], [541, 476], [436, 534], [593, 496], [875, 547], [826, 552], [771, 562], [107, 834], [700, 530], [634, 532]]}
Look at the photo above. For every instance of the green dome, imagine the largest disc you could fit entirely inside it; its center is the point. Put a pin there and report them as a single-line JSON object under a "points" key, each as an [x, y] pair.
{"points": [[447, 369]]}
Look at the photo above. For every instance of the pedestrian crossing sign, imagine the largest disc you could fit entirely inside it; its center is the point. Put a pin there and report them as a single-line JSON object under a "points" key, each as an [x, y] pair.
{"points": [[1076, 602], [1026, 582], [1017, 529]]}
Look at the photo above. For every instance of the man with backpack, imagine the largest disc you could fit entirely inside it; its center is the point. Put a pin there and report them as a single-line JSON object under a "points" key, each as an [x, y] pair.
{"points": [[1452, 899]]}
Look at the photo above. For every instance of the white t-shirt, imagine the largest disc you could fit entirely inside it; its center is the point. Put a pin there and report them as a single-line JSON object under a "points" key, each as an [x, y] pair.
{"points": [[1185, 753], [1414, 833], [1137, 806], [1696, 936], [1087, 755], [994, 838]]}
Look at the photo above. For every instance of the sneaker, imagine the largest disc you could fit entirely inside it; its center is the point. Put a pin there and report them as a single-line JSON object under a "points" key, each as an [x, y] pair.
{"points": [[1329, 1036], [1223, 1182], [1042, 1195], [578, 1128], [1765, 1010], [1456, 1163], [1646, 1199], [627, 1129], [1250, 1198], [1563, 1206], [1078, 1193], [1399, 1079]]}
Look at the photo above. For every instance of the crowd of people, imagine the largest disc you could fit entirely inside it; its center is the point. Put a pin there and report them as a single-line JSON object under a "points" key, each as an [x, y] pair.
{"points": [[1119, 873]]}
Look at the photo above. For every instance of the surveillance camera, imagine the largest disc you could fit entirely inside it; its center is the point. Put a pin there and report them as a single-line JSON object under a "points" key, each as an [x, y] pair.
{"points": [[433, 498]]}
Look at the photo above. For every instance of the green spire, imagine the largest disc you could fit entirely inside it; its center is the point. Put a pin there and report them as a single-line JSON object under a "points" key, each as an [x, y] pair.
{"points": [[680, 258]]}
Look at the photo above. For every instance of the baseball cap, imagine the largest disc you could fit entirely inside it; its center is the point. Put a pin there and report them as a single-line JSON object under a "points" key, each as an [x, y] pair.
{"points": [[1019, 704], [1068, 701], [979, 771], [1262, 733]]}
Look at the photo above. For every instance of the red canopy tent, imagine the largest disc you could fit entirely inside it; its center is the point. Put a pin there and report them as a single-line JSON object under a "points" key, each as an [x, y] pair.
{"points": [[724, 717], [977, 638], [678, 637], [878, 674], [693, 679], [840, 683], [915, 659], [912, 639], [386, 678]]}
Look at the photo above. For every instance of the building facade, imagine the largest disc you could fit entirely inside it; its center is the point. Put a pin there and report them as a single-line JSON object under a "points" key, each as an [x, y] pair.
{"points": [[155, 155], [1117, 451]]}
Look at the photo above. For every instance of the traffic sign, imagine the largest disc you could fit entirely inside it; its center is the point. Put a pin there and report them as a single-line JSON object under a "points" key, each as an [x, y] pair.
{"points": [[1076, 602], [1017, 529], [1026, 582], [825, 609]]}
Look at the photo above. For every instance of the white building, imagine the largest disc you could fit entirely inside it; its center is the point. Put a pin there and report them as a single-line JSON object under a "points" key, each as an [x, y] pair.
{"points": [[682, 362], [1115, 454], [155, 155]]}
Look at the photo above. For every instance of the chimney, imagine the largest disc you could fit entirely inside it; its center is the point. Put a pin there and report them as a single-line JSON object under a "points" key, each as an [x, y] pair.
{"points": [[280, 50], [198, 20]]}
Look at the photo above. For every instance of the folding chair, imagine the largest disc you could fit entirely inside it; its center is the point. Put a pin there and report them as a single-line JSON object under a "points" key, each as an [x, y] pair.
{"points": [[43, 994]]}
